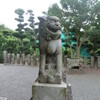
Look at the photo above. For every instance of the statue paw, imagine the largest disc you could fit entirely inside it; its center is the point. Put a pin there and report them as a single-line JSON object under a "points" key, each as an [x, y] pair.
{"points": [[57, 75], [42, 74]]}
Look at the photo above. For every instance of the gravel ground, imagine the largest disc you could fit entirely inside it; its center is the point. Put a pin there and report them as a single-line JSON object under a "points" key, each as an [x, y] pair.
{"points": [[16, 81], [85, 86]]}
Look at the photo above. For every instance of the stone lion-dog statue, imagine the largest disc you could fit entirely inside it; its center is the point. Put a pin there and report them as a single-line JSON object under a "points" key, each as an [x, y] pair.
{"points": [[50, 46]]}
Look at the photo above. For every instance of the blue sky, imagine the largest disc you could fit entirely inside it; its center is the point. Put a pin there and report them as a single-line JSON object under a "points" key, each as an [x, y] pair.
{"points": [[7, 8]]}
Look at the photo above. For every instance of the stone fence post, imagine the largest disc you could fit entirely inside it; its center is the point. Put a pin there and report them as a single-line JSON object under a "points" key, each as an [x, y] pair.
{"points": [[34, 59], [9, 58], [5, 57], [3, 98], [18, 58], [92, 61], [23, 59], [65, 61], [29, 59], [98, 61], [12, 58]]}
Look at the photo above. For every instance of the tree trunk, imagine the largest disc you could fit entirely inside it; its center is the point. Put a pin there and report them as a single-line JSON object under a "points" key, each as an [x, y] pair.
{"points": [[22, 42], [69, 43], [78, 48], [71, 51], [94, 53], [94, 50], [78, 52]]}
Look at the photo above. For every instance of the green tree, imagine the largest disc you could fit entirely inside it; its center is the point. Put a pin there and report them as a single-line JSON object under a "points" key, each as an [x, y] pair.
{"points": [[76, 18], [94, 31], [11, 44], [7, 41], [20, 12], [31, 30], [2, 40]]}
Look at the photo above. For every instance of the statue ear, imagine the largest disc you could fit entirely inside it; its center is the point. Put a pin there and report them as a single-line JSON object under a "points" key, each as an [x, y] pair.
{"points": [[42, 18]]}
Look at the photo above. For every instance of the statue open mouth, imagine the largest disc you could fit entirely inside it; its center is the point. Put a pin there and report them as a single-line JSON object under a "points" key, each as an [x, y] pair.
{"points": [[52, 29]]}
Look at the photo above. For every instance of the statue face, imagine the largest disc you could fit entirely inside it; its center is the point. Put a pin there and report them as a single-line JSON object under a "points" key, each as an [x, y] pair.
{"points": [[53, 25]]}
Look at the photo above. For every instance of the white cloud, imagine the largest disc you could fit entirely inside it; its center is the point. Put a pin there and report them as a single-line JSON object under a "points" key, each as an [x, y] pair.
{"points": [[7, 8]]}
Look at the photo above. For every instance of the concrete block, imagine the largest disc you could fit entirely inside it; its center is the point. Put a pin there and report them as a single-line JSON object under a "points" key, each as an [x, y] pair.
{"points": [[49, 91], [3, 98]]}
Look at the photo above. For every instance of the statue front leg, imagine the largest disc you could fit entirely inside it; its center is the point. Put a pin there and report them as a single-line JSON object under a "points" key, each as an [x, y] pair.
{"points": [[42, 65], [59, 65]]}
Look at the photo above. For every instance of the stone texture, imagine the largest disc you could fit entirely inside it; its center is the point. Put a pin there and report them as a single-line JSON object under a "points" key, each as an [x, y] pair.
{"points": [[98, 61], [18, 58], [34, 60], [69, 92], [49, 91], [29, 59], [71, 63], [50, 46], [3, 98], [92, 61], [9, 58], [65, 61], [5, 57], [12, 58], [23, 59]]}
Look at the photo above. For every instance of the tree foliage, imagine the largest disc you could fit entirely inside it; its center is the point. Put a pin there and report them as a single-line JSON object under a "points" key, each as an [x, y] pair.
{"points": [[26, 31], [76, 17]]}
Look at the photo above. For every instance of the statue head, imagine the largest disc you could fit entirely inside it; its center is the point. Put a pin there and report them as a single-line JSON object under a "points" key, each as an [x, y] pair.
{"points": [[50, 27], [52, 22]]}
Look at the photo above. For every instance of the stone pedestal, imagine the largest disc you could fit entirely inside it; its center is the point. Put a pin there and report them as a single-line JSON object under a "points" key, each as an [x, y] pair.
{"points": [[3, 98], [49, 91]]}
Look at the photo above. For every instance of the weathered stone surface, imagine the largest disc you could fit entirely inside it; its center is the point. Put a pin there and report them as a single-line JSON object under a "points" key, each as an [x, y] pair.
{"points": [[38, 61], [23, 59], [34, 59], [92, 61], [50, 45], [69, 92], [49, 91], [98, 61], [71, 63], [12, 58], [9, 58], [18, 58], [5, 57], [29, 59], [65, 61], [3, 98]]}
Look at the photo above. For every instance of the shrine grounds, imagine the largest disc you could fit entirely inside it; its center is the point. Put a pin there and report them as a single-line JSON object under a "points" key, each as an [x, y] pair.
{"points": [[16, 83]]}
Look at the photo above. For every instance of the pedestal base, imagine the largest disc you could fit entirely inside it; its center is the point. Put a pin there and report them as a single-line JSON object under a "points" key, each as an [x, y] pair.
{"points": [[49, 91], [3, 98]]}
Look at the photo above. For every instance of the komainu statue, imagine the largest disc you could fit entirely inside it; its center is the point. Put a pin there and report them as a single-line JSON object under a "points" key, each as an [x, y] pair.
{"points": [[50, 46]]}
